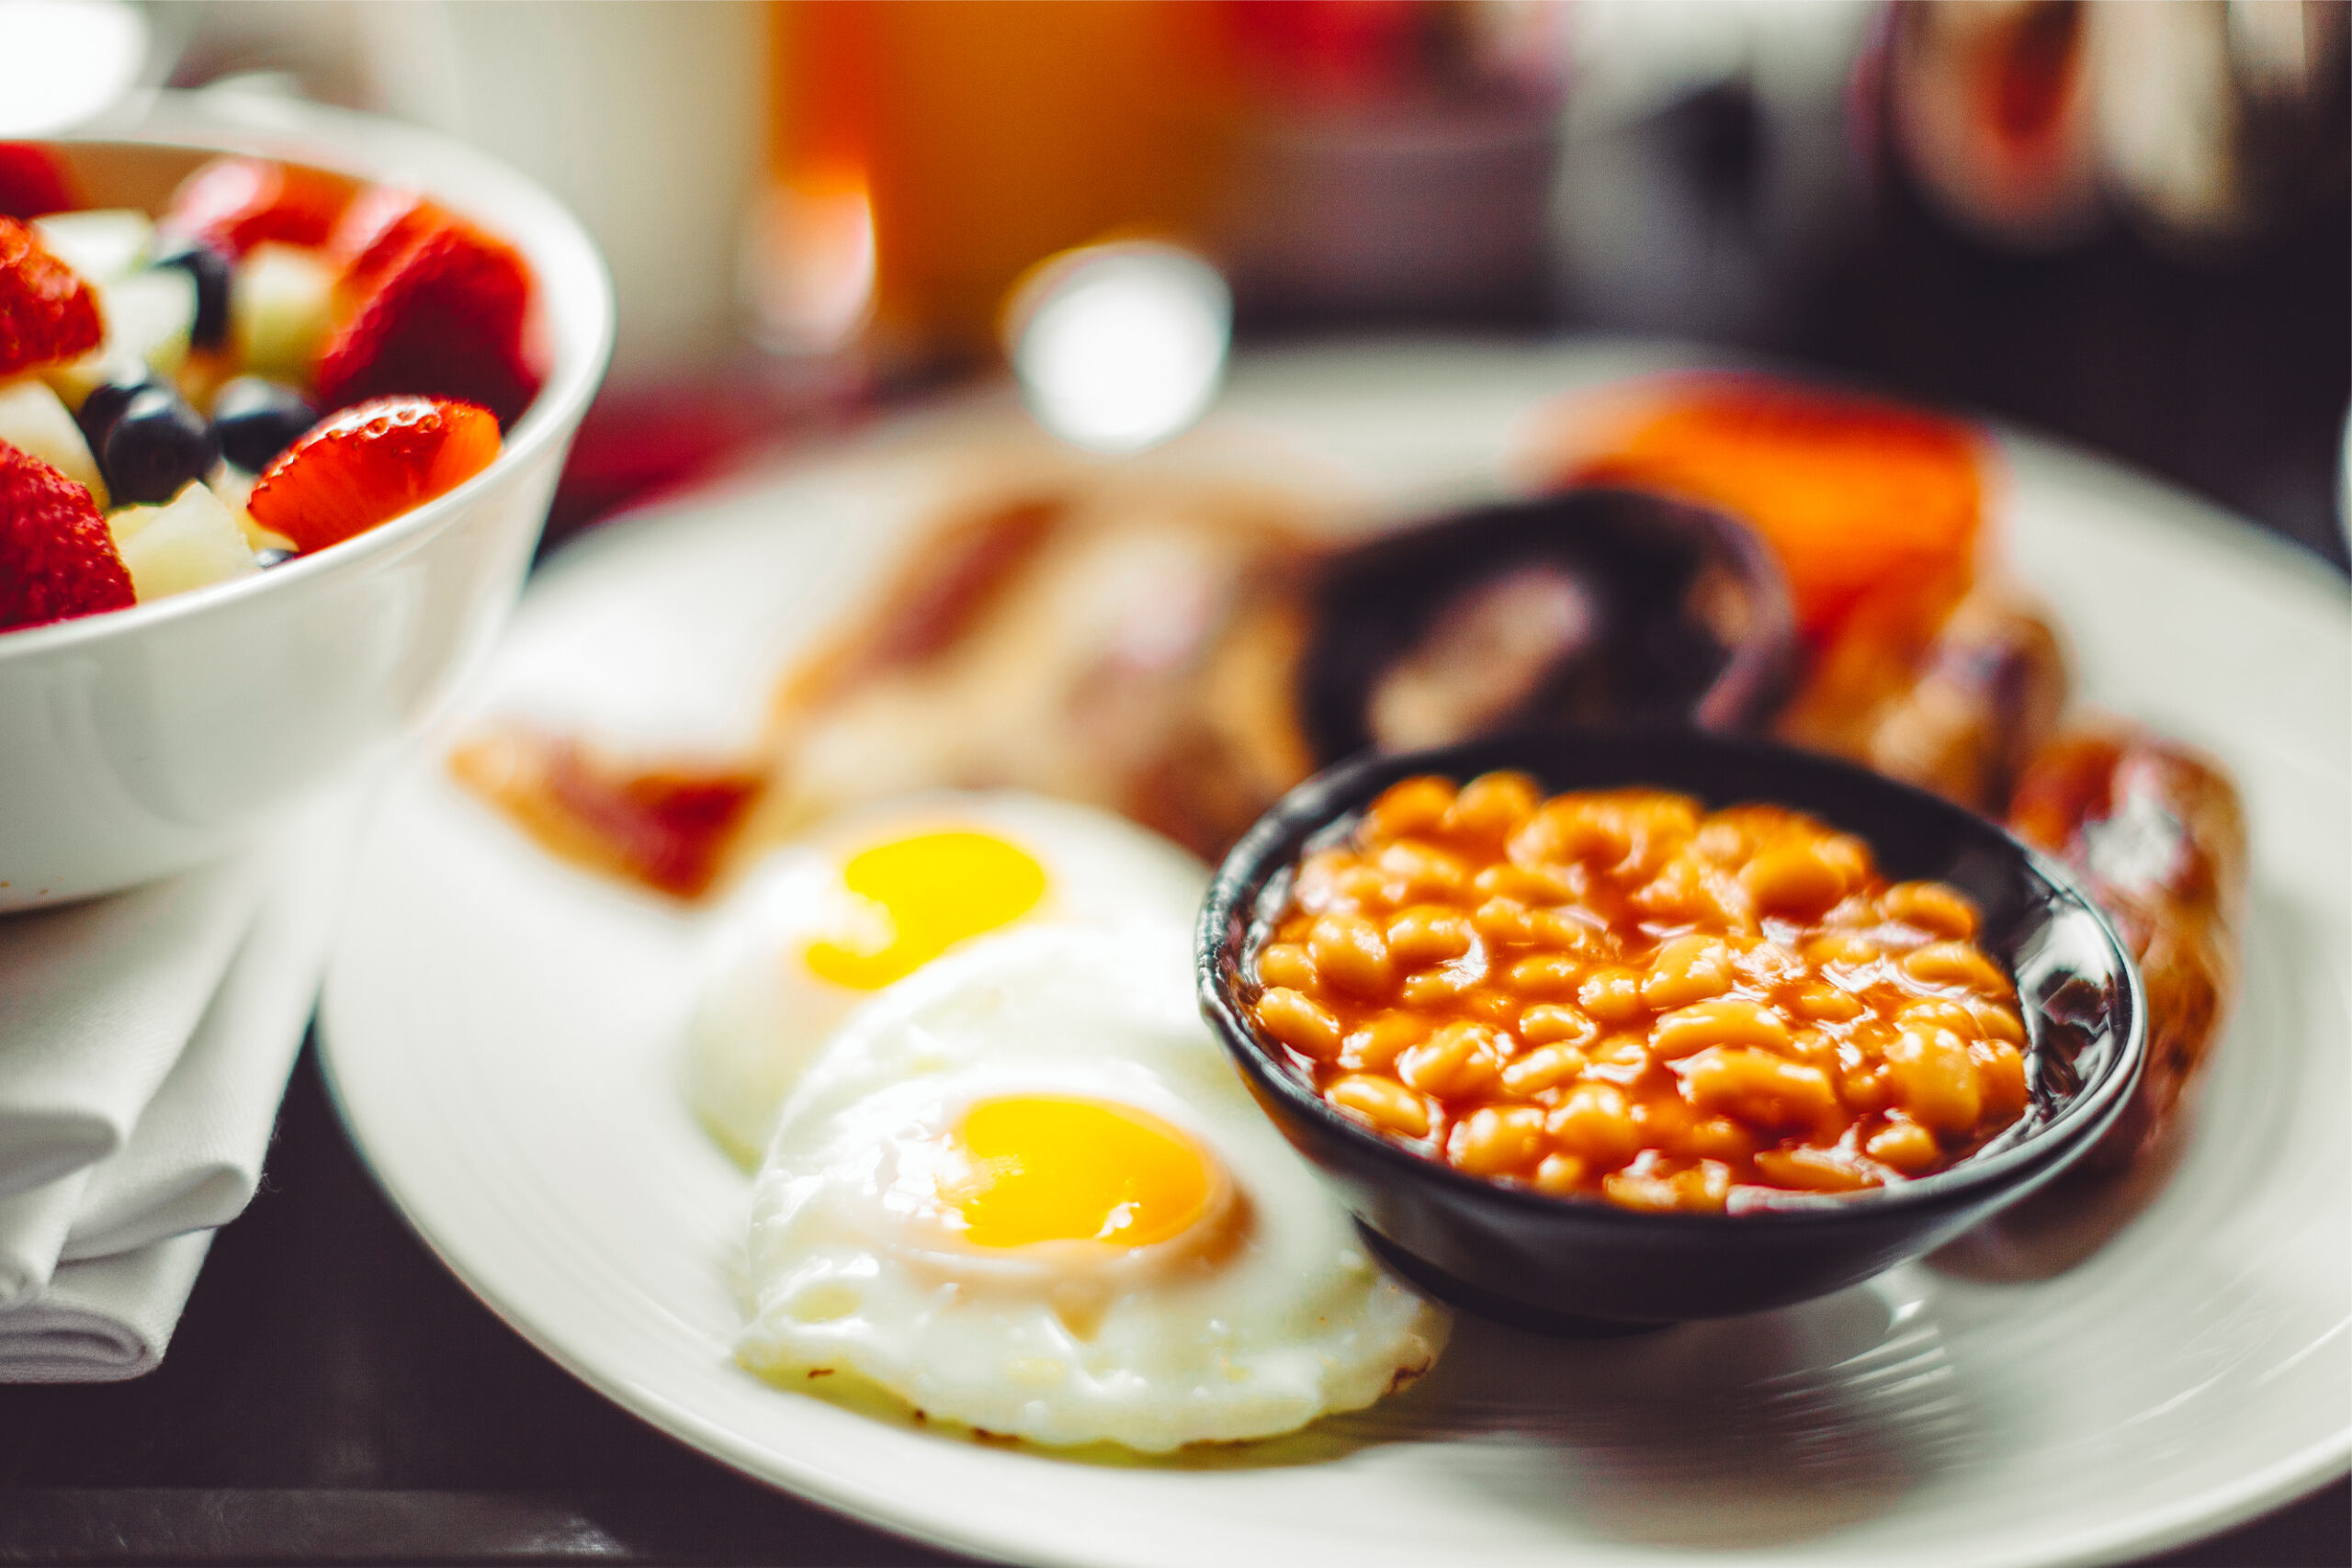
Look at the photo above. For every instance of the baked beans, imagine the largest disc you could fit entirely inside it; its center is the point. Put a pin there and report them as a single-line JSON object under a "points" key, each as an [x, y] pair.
{"points": [[1619, 993]]}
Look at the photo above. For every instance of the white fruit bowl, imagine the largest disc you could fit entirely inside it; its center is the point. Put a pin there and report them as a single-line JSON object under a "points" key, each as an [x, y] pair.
{"points": [[141, 742]]}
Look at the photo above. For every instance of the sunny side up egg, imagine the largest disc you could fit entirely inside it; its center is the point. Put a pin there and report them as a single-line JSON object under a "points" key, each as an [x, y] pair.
{"points": [[1024, 1190], [827, 921]]}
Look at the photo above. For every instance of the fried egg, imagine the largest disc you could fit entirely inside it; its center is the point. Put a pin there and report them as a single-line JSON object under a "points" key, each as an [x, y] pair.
{"points": [[1024, 1190], [826, 922]]}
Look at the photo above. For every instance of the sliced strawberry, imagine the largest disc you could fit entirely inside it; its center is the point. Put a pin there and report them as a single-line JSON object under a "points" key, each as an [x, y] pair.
{"points": [[369, 464], [33, 182], [57, 560], [445, 319], [48, 314], [234, 204]]}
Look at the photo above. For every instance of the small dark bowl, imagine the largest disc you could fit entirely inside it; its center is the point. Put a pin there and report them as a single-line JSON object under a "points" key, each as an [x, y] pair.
{"points": [[1680, 615], [1582, 1264]]}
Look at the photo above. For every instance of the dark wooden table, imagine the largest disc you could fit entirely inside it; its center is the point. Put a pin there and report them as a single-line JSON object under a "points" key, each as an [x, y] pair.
{"points": [[333, 1395]]}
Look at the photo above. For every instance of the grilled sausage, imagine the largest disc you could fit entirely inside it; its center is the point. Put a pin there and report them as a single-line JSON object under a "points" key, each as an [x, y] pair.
{"points": [[2156, 834], [1959, 713]]}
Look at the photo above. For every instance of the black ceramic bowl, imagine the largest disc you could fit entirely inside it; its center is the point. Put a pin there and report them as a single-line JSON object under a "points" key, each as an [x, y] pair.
{"points": [[1575, 1265]]}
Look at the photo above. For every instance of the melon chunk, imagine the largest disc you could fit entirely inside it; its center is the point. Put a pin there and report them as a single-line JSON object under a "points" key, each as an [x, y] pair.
{"points": [[149, 316], [280, 306], [34, 421], [190, 541], [104, 246], [234, 489]]}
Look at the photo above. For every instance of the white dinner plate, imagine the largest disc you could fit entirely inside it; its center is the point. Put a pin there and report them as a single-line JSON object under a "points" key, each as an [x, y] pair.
{"points": [[2107, 1375]]}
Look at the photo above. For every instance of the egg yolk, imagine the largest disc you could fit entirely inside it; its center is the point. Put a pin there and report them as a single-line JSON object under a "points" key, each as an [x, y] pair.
{"points": [[917, 897], [1039, 1169]]}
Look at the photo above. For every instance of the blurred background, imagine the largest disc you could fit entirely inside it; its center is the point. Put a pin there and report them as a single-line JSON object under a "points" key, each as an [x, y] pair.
{"points": [[2124, 222]]}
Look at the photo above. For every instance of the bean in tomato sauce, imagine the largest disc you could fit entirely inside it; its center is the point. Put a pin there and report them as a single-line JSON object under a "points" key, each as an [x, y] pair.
{"points": [[1619, 993]]}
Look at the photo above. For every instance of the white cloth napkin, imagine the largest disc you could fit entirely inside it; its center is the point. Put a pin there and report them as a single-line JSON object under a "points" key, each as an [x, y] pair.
{"points": [[145, 1040]]}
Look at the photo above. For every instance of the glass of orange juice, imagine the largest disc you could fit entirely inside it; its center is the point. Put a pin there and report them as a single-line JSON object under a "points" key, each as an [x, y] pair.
{"points": [[923, 156]]}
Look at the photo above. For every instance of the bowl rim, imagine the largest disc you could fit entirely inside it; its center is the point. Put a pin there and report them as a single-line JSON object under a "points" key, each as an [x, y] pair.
{"points": [[1274, 840], [572, 282]]}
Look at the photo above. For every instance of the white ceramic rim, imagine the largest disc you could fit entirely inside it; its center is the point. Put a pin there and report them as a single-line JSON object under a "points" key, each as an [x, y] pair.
{"points": [[575, 290]]}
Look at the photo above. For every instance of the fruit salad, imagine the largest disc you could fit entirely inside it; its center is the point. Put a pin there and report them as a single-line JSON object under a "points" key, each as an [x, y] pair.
{"points": [[284, 358]]}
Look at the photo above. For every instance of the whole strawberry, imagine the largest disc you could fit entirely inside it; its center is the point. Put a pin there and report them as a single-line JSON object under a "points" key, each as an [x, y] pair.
{"points": [[48, 313], [430, 305], [380, 227], [57, 560]]}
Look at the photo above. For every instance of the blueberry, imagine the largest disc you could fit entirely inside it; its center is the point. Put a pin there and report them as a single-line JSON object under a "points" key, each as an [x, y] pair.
{"points": [[157, 445], [259, 419], [210, 270], [106, 402], [270, 557]]}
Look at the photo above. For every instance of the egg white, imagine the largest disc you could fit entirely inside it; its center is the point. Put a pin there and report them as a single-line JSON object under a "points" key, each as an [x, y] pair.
{"points": [[1270, 1316], [762, 1012]]}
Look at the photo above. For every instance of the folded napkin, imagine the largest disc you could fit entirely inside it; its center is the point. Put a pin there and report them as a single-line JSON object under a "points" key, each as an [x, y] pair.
{"points": [[145, 1040]]}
